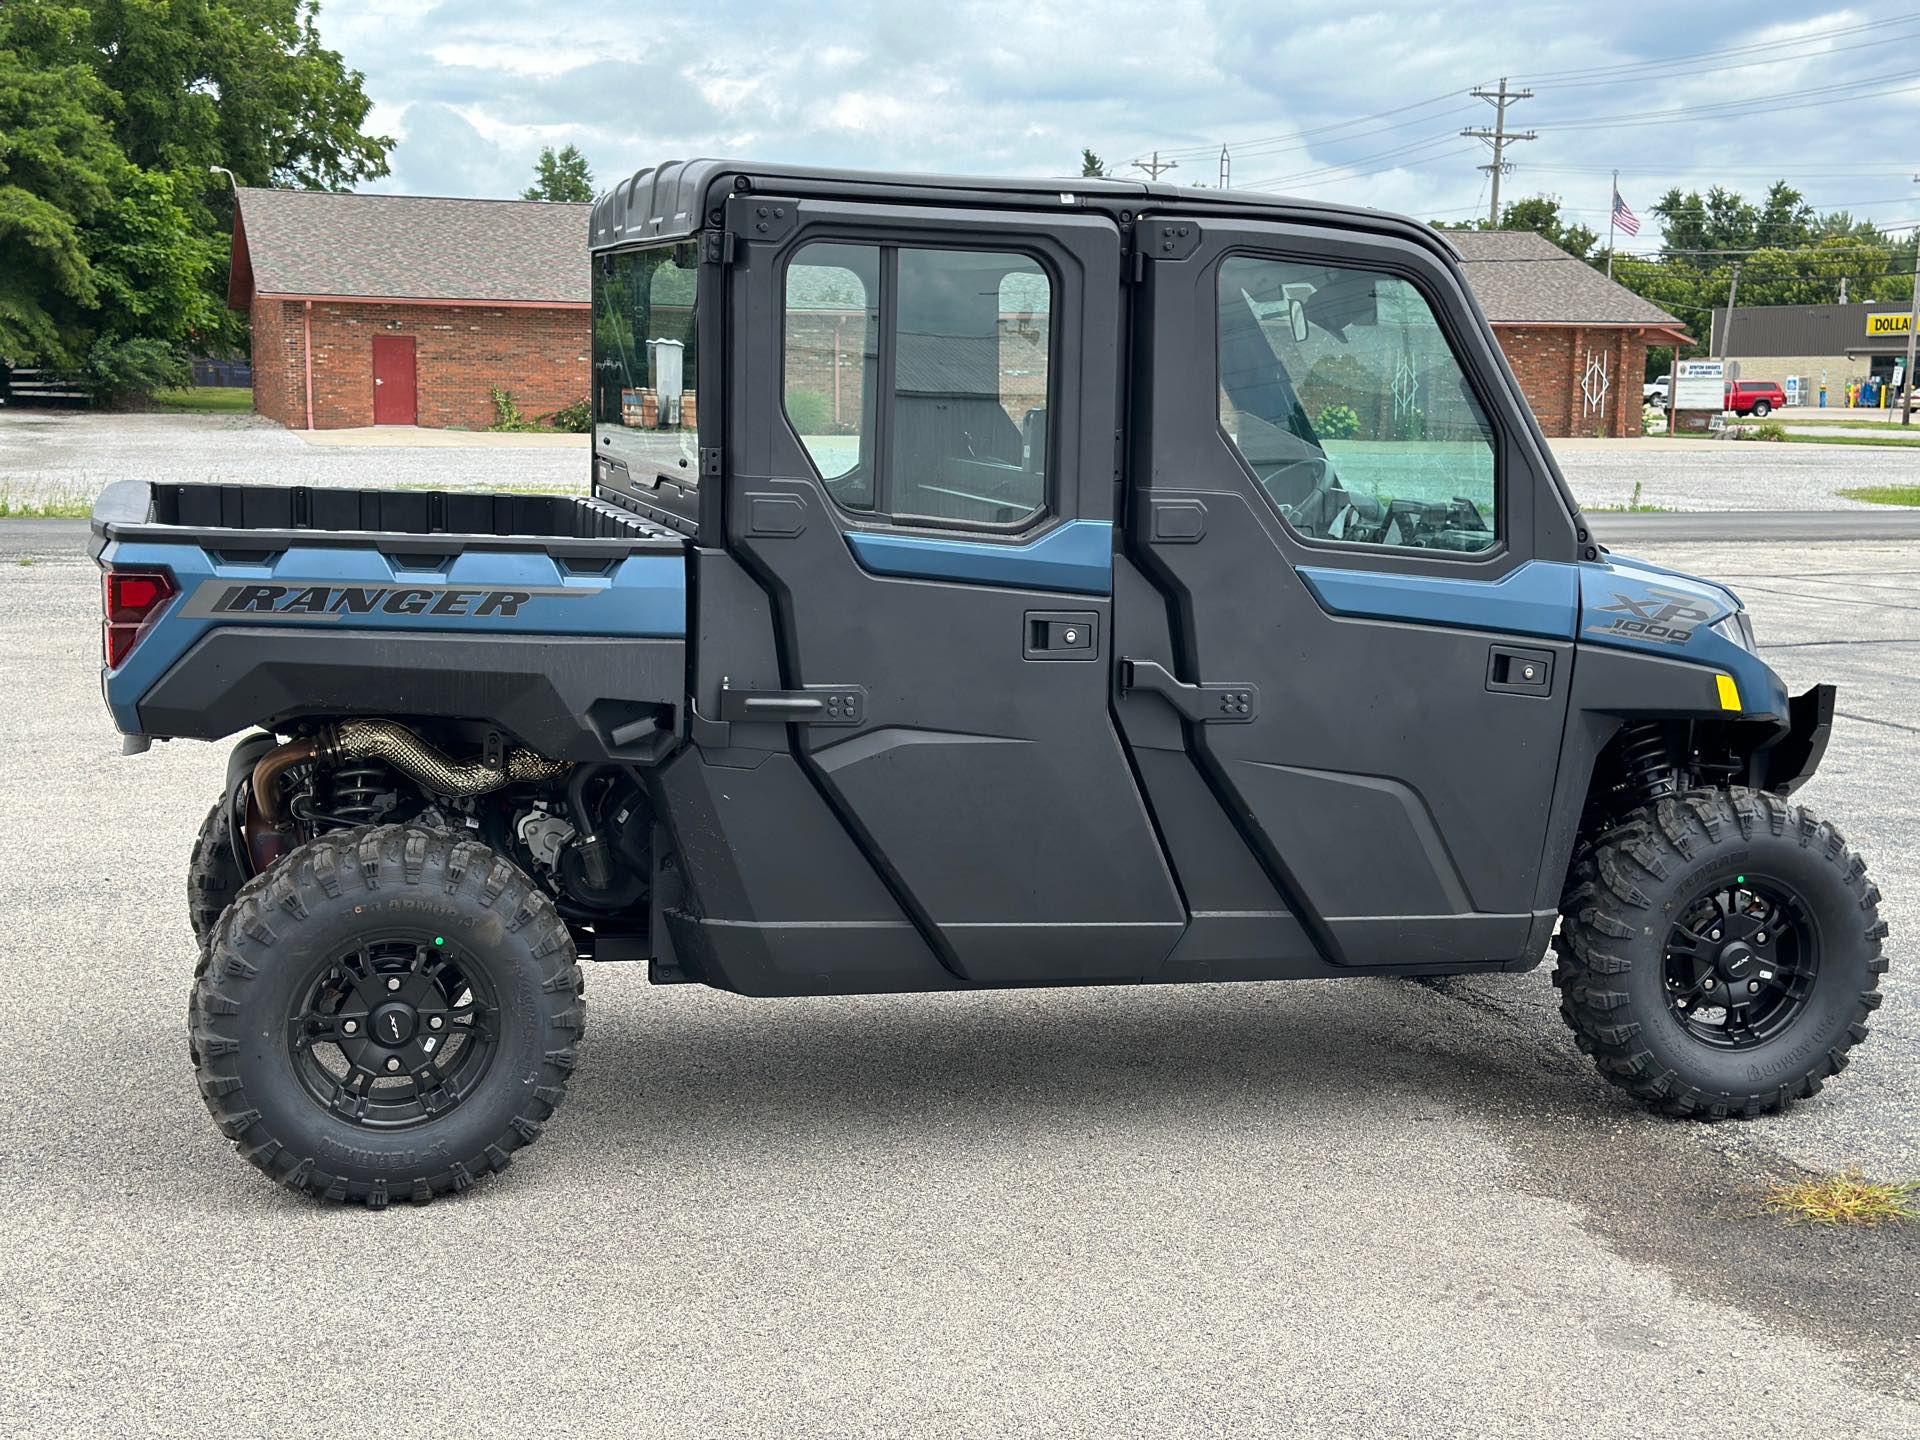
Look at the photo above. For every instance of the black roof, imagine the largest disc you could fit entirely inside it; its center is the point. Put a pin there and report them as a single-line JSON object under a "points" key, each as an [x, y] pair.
{"points": [[670, 200], [1797, 331]]}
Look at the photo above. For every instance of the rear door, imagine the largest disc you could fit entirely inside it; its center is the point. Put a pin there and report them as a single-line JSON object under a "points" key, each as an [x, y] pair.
{"points": [[394, 389], [920, 444], [1368, 578]]}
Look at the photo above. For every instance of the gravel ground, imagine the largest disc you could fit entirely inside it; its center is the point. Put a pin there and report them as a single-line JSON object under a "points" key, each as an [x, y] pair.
{"points": [[51, 455], [1731, 474], [1365, 1207]]}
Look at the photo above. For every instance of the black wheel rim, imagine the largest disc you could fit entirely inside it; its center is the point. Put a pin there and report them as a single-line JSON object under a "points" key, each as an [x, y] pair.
{"points": [[1741, 962], [396, 1033]]}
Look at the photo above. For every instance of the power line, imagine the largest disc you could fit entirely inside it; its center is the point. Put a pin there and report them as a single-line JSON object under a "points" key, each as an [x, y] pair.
{"points": [[1155, 166], [1259, 140], [1404, 152], [1686, 72], [1627, 66], [1730, 109]]}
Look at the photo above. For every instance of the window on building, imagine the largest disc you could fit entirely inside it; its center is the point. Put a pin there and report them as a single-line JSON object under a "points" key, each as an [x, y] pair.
{"points": [[645, 395], [1342, 394], [959, 341]]}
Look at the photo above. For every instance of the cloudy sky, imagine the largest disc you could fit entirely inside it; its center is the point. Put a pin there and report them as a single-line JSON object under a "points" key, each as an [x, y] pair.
{"points": [[1361, 104]]}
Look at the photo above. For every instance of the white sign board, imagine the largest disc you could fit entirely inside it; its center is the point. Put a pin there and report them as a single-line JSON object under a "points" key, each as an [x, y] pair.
{"points": [[1700, 385]]}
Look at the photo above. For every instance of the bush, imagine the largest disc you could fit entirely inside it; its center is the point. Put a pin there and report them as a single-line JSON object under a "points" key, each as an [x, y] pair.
{"points": [[506, 413], [1337, 422], [1768, 430], [128, 372], [810, 411], [574, 419]]}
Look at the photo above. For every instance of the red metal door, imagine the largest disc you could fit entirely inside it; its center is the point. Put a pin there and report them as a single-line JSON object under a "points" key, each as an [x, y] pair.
{"points": [[393, 381]]}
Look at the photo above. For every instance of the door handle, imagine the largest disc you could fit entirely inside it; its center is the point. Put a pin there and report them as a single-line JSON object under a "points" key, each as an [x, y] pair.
{"points": [[1512, 670], [1202, 704], [813, 705]]}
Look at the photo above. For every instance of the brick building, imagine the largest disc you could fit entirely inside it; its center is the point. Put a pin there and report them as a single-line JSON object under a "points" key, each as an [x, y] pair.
{"points": [[407, 310], [1577, 341]]}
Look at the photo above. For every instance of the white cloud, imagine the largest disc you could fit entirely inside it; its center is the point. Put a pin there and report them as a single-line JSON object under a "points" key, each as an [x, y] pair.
{"points": [[1018, 86]]}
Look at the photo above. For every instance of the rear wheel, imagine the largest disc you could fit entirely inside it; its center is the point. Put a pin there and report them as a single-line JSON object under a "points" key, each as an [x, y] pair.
{"points": [[213, 874], [1719, 953], [388, 1012]]}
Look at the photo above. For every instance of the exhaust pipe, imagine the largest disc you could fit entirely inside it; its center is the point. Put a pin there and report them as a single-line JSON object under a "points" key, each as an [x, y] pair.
{"points": [[421, 761]]}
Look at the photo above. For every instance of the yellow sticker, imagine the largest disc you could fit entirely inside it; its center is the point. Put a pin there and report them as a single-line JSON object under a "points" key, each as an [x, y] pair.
{"points": [[1729, 694]]}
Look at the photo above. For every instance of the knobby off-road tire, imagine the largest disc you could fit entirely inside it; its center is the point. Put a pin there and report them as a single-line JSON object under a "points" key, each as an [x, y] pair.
{"points": [[299, 967], [213, 875], [1624, 984]]}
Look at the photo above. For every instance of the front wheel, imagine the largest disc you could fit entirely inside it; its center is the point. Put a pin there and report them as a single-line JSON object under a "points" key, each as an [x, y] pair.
{"points": [[1762, 409], [386, 1013], [1719, 953]]}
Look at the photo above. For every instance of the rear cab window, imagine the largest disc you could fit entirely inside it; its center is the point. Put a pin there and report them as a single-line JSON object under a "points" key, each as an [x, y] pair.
{"points": [[646, 401]]}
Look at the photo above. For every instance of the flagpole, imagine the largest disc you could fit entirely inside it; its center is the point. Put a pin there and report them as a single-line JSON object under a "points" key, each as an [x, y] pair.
{"points": [[1613, 209]]}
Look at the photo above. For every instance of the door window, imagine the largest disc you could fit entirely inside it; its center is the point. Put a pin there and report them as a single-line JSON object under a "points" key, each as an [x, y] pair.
{"points": [[918, 380], [1343, 396]]}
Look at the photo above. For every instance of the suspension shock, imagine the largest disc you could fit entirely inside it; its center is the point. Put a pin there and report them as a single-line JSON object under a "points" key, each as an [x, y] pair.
{"points": [[361, 793], [1647, 770]]}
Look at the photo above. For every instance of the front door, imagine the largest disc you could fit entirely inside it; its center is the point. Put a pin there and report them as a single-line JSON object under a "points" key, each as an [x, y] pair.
{"points": [[1369, 578], [920, 448], [393, 380]]}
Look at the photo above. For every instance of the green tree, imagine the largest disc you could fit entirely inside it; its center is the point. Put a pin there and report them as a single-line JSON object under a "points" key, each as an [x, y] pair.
{"points": [[564, 176], [1091, 165], [57, 158], [245, 84], [1540, 214], [113, 235]]}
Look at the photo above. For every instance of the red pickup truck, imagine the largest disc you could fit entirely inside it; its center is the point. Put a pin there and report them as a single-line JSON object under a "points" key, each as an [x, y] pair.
{"points": [[1755, 397]]}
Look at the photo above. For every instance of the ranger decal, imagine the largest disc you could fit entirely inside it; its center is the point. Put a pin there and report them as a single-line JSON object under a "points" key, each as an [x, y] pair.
{"points": [[254, 601]]}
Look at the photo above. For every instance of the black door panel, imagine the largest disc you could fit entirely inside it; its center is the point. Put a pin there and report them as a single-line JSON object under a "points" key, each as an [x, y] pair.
{"points": [[985, 780], [1395, 799]]}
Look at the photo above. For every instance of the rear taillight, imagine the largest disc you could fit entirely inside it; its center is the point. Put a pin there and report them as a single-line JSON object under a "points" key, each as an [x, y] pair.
{"points": [[133, 598]]}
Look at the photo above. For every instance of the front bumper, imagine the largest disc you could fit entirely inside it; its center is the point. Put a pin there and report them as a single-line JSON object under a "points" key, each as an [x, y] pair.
{"points": [[1790, 761]]}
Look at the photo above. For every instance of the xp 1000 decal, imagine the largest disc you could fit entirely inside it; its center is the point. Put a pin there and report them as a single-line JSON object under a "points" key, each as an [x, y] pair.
{"points": [[1664, 617]]}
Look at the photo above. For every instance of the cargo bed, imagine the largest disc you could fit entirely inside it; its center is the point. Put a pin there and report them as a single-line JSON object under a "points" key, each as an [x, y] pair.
{"points": [[412, 522]]}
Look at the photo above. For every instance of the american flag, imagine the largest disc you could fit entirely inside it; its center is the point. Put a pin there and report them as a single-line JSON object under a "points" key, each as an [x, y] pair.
{"points": [[1624, 217]]}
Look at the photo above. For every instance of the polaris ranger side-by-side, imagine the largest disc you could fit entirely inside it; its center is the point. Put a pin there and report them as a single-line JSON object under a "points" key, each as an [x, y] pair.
{"points": [[984, 583]]}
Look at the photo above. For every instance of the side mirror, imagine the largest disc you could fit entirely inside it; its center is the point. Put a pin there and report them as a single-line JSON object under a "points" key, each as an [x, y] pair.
{"points": [[1297, 318]]}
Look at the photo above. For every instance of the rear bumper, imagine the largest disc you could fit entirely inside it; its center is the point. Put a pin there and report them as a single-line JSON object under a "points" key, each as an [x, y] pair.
{"points": [[1790, 761]]}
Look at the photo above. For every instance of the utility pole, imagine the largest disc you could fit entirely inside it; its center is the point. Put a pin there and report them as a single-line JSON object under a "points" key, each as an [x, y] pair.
{"points": [[1499, 137], [1913, 325], [1154, 166], [1226, 169], [1726, 330]]}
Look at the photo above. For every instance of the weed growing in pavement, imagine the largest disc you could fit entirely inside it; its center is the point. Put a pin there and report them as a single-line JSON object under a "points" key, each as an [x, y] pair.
{"points": [[1846, 1199]]}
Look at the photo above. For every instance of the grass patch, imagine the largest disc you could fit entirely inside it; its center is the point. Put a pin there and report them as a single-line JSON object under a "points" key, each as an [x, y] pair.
{"points": [[58, 506], [1885, 494], [206, 400], [1898, 440], [1846, 1199], [1634, 506]]}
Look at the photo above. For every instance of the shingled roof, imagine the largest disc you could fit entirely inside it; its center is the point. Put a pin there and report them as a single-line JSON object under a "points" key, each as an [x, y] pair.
{"points": [[1521, 278], [314, 243]]}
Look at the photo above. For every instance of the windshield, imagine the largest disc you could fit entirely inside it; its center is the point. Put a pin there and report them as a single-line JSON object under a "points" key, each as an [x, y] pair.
{"points": [[645, 396]]}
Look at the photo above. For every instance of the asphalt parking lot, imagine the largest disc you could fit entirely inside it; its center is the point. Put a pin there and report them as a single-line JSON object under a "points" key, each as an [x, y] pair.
{"points": [[1365, 1207]]}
